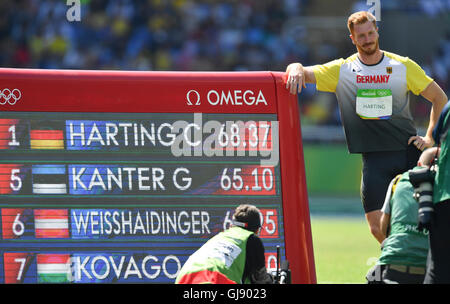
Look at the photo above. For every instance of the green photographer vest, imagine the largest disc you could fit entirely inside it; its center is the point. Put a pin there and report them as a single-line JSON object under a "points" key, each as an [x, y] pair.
{"points": [[441, 191], [405, 244], [221, 260]]}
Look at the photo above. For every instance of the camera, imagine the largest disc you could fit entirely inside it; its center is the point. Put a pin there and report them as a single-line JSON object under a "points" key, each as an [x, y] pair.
{"points": [[282, 275], [422, 180]]}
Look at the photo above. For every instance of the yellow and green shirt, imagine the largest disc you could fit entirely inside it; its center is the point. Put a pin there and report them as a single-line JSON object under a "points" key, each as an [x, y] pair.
{"points": [[374, 99]]}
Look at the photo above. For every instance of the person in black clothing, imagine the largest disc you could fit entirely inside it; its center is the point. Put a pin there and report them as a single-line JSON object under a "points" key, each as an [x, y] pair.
{"points": [[247, 216]]}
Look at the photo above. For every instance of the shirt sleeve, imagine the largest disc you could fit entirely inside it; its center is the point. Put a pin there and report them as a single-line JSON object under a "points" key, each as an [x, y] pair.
{"points": [[327, 75], [387, 206], [439, 128], [390, 191], [416, 79], [255, 268]]}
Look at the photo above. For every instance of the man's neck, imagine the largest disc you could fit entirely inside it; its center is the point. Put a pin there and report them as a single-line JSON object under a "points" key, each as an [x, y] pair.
{"points": [[371, 59]]}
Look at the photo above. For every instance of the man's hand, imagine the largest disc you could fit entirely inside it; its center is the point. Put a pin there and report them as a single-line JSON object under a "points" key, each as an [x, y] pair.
{"points": [[295, 78], [421, 142]]}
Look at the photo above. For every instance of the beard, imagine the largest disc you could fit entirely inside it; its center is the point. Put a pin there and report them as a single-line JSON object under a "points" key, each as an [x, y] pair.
{"points": [[366, 50]]}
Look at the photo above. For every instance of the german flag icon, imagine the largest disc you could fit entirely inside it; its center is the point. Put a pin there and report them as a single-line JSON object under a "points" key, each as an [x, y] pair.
{"points": [[46, 135]]}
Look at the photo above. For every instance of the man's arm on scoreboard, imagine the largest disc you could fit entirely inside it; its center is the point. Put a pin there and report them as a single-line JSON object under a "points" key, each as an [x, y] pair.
{"points": [[298, 76]]}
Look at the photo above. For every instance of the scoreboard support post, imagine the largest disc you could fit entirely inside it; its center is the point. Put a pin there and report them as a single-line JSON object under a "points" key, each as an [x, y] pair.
{"points": [[91, 174], [295, 195]]}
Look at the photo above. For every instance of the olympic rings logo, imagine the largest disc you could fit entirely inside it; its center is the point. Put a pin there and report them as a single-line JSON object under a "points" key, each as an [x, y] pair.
{"points": [[8, 96]]}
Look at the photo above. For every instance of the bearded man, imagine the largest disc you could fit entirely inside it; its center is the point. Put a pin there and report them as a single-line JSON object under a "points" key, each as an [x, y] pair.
{"points": [[373, 91]]}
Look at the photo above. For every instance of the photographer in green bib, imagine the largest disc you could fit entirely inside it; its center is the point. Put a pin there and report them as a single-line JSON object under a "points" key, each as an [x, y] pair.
{"points": [[436, 211], [404, 250], [234, 256]]}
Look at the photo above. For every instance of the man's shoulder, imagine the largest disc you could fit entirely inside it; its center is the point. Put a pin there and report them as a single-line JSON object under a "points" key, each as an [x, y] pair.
{"points": [[254, 241], [396, 57], [342, 61], [333, 66], [410, 64], [350, 59]]}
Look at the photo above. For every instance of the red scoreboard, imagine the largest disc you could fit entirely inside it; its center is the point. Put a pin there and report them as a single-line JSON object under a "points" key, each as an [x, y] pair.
{"points": [[118, 176]]}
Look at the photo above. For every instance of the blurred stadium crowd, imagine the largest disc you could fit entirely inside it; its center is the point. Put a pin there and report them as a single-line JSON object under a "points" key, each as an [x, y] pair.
{"points": [[148, 35], [203, 35]]}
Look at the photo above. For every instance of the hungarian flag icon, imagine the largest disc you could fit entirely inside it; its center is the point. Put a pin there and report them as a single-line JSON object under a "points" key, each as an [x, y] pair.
{"points": [[53, 268], [51, 223], [49, 179], [46, 135]]}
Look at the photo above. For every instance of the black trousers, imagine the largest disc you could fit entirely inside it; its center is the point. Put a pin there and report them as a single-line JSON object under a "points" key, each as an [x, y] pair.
{"points": [[397, 277], [379, 168], [438, 262]]}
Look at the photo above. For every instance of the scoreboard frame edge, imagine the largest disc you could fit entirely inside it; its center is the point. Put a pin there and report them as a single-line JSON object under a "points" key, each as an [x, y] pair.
{"points": [[296, 217]]}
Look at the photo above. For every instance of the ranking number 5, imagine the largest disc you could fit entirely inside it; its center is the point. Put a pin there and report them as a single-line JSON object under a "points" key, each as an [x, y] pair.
{"points": [[16, 181]]}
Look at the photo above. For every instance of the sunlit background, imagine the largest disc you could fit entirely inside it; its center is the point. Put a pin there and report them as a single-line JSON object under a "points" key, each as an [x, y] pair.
{"points": [[239, 35]]}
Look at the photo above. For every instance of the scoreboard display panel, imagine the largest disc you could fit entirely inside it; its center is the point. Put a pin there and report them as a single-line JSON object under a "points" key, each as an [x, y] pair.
{"points": [[119, 176]]}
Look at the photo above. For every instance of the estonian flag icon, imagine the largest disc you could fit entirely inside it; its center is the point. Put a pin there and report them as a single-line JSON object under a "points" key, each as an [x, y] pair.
{"points": [[49, 179], [46, 135]]}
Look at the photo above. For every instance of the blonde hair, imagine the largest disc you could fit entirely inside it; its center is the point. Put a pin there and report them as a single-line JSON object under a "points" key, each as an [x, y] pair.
{"points": [[360, 18]]}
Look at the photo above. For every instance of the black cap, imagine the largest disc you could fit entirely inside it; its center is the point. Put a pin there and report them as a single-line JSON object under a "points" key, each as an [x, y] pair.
{"points": [[248, 217]]}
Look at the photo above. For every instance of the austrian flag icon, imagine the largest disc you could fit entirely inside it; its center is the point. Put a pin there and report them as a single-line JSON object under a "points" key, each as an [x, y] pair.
{"points": [[51, 223]]}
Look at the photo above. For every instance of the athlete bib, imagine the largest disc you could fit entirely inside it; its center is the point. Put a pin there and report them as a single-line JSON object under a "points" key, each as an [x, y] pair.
{"points": [[374, 103]]}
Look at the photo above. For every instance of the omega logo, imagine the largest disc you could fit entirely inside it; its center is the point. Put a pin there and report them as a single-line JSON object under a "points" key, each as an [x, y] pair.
{"points": [[230, 97]]}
